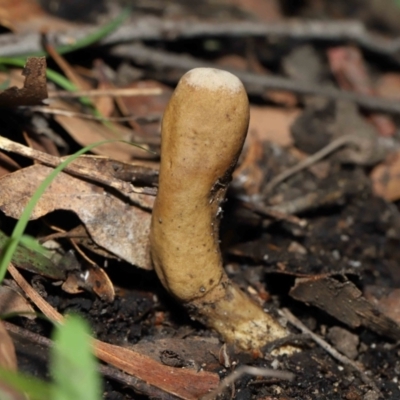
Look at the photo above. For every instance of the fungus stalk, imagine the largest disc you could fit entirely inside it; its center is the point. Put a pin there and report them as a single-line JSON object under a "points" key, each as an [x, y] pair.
{"points": [[203, 130]]}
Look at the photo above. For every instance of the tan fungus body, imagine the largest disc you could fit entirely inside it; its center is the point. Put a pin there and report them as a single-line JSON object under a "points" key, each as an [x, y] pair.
{"points": [[203, 131]]}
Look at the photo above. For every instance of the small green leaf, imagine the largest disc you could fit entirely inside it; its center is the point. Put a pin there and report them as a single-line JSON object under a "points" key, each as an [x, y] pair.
{"points": [[73, 365]]}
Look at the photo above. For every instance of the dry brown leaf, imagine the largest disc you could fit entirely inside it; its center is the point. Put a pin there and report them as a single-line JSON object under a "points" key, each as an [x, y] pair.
{"points": [[111, 173], [386, 178], [113, 224], [104, 104], [263, 10], [13, 302], [272, 124], [388, 86], [7, 164], [348, 65], [41, 143], [27, 16], [86, 132], [35, 86], [94, 279], [8, 358], [281, 97], [145, 106], [386, 300], [99, 282]]}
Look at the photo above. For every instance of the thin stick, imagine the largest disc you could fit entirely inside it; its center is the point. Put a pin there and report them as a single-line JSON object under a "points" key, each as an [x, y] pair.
{"points": [[153, 28], [135, 194], [125, 92], [329, 349], [255, 84], [246, 369], [310, 160]]}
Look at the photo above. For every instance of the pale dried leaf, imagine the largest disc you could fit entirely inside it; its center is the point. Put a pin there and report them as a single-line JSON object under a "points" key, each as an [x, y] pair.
{"points": [[86, 132], [8, 358], [28, 16], [113, 224], [386, 178], [272, 124], [13, 302]]}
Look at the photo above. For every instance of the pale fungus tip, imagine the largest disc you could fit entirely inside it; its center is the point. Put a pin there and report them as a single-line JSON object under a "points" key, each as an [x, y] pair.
{"points": [[213, 79]]}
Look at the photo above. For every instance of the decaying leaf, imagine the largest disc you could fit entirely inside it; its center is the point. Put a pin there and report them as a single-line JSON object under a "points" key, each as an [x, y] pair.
{"points": [[272, 124], [35, 86], [145, 107], [8, 358], [112, 222], [386, 300], [12, 302], [386, 178], [28, 16], [86, 132], [94, 279]]}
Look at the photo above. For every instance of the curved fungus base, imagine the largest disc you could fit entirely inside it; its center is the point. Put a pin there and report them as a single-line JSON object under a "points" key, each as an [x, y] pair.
{"points": [[203, 130]]}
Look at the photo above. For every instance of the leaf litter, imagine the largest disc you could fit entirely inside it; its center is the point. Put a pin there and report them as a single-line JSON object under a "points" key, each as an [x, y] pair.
{"points": [[347, 203]]}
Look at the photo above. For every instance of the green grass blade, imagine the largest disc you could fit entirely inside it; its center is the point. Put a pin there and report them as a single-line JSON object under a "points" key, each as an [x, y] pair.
{"points": [[81, 43], [73, 365], [97, 35]]}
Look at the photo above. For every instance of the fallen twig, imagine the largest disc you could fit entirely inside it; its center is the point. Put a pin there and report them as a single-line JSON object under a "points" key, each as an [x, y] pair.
{"points": [[74, 114], [328, 348], [153, 28], [243, 370], [255, 84], [106, 92], [135, 194]]}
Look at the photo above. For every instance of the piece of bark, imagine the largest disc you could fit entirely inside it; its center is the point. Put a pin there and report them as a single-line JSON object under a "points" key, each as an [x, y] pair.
{"points": [[343, 300]]}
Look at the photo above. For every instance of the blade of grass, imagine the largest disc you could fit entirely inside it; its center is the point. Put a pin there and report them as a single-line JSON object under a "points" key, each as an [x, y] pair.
{"points": [[81, 43], [33, 387], [73, 364]]}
